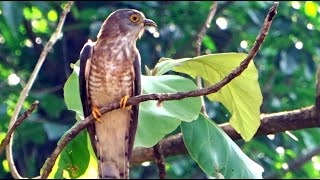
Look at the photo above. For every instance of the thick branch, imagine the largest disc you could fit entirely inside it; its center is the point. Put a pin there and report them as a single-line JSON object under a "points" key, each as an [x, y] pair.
{"points": [[24, 93], [165, 96], [270, 124], [24, 116]]}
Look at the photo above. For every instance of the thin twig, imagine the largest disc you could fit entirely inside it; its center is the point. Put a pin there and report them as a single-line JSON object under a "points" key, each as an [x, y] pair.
{"points": [[75, 130], [24, 93], [200, 36], [24, 116], [205, 27], [296, 164], [159, 159]]}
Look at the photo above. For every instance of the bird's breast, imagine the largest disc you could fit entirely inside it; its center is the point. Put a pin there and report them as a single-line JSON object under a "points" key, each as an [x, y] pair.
{"points": [[111, 76]]}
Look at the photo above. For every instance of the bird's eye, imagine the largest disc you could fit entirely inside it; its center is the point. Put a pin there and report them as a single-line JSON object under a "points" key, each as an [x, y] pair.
{"points": [[134, 18]]}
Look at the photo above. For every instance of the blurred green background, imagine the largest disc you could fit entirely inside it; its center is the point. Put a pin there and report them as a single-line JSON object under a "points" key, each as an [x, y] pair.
{"points": [[286, 64]]}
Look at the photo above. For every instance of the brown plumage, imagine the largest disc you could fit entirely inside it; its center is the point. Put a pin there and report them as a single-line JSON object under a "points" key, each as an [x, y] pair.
{"points": [[110, 71]]}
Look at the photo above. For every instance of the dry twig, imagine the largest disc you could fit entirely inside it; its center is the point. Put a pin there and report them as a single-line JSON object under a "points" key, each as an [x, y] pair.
{"points": [[200, 36], [159, 159], [24, 116], [24, 93]]}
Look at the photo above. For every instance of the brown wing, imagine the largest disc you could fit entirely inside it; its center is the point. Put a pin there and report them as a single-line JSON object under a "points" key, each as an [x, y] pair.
{"points": [[135, 109], [85, 62]]}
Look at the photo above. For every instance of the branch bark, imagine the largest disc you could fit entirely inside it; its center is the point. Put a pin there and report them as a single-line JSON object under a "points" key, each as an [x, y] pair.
{"points": [[159, 159], [166, 96], [270, 124], [25, 115], [200, 36]]}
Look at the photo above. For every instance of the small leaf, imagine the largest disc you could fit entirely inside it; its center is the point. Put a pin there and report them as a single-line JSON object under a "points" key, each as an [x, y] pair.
{"points": [[208, 42], [310, 9], [155, 122], [214, 151], [72, 92]]}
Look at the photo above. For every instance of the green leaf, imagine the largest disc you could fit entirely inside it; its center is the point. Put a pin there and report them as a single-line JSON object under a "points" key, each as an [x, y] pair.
{"points": [[310, 9], [77, 160], [242, 96], [72, 92], [166, 64], [12, 14], [208, 42], [156, 122], [216, 153]]}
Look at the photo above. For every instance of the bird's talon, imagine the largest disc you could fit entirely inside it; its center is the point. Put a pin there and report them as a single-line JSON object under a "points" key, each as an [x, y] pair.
{"points": [[96, 114], [123, 102]]}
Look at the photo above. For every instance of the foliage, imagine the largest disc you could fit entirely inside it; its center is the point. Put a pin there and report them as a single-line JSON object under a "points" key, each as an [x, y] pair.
{"points": [[286, 72]]}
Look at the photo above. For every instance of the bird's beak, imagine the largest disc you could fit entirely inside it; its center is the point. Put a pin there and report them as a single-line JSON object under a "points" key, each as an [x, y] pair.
{"points": [[149, 22]]}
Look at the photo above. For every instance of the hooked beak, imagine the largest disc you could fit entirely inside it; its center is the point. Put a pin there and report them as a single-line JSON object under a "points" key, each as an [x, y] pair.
{"points": [[149, 22]]}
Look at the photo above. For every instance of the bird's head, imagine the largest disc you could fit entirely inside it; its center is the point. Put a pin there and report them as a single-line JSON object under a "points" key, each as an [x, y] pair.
{"points": [[125, 22]]}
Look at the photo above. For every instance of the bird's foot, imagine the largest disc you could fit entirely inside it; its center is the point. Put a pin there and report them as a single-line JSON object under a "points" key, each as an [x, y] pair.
{"points": [[96, 114], [123, 102]]}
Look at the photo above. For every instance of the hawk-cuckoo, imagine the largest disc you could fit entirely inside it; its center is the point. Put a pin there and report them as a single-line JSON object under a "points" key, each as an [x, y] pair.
{"points": [[110, 72]]}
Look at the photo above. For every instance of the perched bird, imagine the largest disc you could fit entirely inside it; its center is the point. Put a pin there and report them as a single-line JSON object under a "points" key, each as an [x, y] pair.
{"points": [[110, 72]]}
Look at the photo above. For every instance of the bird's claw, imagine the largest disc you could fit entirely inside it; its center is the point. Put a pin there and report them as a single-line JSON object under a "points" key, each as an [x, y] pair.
{"points": [[96, 114], [123, 102]]}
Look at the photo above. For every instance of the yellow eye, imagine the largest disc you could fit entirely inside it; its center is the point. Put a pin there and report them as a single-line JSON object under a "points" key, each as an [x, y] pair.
{"points": [[134, 18]]}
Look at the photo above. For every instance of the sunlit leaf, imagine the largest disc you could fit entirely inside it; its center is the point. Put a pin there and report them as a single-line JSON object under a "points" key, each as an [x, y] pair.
{"points": [[71, 92], [216, 153], [310, 9], [53, 16], [242, 96], [77, 160], [207, 42]]}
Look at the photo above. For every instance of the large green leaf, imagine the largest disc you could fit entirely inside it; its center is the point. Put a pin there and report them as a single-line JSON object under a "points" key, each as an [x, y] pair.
{"points": [[242, 96], [215, 152], [77, 160], [154, 121]]}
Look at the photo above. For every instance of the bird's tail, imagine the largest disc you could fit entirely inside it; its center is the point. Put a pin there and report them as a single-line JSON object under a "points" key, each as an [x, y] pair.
{"points": [[112, 144]]}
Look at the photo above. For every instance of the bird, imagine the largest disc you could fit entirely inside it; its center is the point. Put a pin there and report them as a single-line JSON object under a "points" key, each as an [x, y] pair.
{"points": [[110, 72]]}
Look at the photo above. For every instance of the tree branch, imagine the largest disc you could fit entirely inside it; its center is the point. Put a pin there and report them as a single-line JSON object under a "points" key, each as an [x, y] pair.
{"points": [[25, 115], [165, 96], [296, 164], [270, 124], [200, 36], [24, 93], [159, 159]]}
